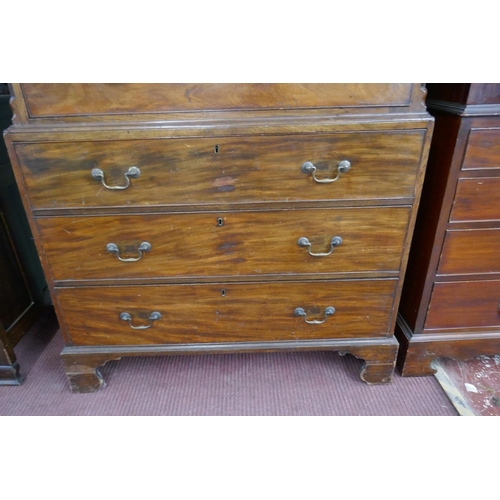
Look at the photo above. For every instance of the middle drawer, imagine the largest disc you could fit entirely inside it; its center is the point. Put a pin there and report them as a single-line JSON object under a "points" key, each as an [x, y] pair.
{"points": [[225, 244]]}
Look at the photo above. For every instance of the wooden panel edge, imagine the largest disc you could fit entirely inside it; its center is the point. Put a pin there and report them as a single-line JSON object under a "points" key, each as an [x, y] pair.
{"points": [[17, 103], [34, 229]]}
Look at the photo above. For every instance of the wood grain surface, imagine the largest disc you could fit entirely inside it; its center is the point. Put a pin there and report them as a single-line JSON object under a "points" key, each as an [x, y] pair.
{"points": [[449, 307], [484, 93], [415, 358], [465, 93], [223, 201], [471, 251], [464, 304], [221, 170], [51, 99], [477, 200], [483, 150], [225, 244], [438, 187], [227, 312]]}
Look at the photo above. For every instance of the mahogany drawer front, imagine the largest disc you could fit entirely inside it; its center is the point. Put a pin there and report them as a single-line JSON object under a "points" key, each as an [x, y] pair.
{"points": [[238, 170], [464, 304], [77, 99], [227, 312], [226, 244], [483, 150], [470, 251], [477, 199]]}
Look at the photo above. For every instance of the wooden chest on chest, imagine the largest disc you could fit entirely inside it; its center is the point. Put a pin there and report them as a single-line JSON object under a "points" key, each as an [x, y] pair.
{"points": [[199, 218], [451, 300]]}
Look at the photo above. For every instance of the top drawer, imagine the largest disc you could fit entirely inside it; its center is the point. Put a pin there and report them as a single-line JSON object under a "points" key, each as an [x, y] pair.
{"points": [[483, 150], [221, 170], [46, 100]]}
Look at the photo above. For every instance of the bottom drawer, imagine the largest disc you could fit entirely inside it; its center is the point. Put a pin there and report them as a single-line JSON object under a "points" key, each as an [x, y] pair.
{"points": [[464, 304], [227, 312]]}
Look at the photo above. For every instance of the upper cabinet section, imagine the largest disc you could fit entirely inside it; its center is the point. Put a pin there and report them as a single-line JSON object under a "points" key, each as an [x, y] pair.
{"points": [[77, 101], [46, 100]]}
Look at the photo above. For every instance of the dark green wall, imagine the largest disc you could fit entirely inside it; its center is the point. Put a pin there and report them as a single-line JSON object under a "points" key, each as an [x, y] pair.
{"points": [[12, 208]]}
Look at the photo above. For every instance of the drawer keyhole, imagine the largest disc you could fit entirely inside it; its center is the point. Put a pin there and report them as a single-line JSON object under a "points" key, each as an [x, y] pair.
{"points": [[216, 149], [220, 222], [223, 292]]}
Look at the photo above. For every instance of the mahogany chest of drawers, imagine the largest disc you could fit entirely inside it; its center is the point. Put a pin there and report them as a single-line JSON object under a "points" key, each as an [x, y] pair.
{"points": [[199, 218], [451, 297]]}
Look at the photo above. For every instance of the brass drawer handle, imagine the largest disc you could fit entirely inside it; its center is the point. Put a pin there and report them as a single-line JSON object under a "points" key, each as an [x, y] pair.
{"points": [[125, 316], [342, 168], [304, 243], [131, 173], [329, 311], [143, 248]]}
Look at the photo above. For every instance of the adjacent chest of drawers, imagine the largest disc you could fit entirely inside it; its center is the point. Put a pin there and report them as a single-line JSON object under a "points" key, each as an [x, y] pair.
{"points": [[200, 218], [450, 305]]}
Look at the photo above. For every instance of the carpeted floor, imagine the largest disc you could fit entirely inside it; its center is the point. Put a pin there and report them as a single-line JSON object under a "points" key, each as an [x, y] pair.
{"points": [[282, 384]]}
